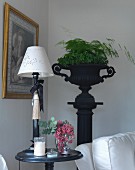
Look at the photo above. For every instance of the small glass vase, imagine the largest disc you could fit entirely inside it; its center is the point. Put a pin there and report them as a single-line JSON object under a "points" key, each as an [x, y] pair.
{"points": [[62, 147], [66, 150]]}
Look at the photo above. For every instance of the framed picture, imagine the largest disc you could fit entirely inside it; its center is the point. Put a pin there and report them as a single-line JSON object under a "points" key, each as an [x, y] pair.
{"points": [[20, 32]]}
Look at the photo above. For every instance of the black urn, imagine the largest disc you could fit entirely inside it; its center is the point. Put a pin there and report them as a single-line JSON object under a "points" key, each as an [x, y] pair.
{"points": [[84, 74]]}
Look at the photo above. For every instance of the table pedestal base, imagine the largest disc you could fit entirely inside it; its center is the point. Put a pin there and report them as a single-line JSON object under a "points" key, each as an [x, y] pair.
{"points": [[49, 166]]}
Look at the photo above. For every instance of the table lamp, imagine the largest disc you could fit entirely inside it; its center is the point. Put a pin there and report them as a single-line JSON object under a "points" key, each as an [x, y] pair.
{"points": [[36, 65]]}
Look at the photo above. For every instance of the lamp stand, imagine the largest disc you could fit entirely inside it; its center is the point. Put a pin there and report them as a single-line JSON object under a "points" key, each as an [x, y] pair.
{"points": [[35, 128], [35, 121]]}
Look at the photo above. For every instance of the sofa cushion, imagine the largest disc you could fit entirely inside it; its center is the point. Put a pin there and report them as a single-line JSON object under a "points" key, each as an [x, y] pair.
{"points": [[86, 162], [114, 152]]}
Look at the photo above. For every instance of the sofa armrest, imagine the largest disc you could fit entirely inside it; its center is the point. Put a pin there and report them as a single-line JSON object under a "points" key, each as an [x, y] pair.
{"points": [[86, 162], [3, 165]]}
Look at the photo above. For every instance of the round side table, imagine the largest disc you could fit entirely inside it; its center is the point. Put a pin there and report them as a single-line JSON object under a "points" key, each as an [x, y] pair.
{"points": [[28, 156]]}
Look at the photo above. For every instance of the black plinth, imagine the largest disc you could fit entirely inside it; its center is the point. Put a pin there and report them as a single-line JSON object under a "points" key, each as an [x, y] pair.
{"points": [[84, 76], [28, 156]]}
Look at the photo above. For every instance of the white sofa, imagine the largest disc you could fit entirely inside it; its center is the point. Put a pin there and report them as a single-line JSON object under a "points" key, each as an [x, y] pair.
{"points": [[115, 152], [3, 165]]}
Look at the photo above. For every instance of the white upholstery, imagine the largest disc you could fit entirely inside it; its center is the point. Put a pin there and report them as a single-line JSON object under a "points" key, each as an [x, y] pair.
{"points": [[3, 165], [86, 162], [115, 152]]}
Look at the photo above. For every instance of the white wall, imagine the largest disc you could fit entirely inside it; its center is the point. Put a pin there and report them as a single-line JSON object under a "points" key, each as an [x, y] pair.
{"points": [[94, 19], [15, 115]]}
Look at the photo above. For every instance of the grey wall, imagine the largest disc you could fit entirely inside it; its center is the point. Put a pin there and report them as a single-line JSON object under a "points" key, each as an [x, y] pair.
{"points": [[94, 19], [60, 20], [15, 115]]}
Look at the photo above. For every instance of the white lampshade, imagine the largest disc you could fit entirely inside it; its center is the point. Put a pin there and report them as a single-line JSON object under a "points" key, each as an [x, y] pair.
{"points": [[35, 60]]}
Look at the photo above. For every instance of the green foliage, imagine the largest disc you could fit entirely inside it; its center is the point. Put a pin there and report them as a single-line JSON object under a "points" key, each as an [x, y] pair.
{"points": [[79, 51], [48, 127]]}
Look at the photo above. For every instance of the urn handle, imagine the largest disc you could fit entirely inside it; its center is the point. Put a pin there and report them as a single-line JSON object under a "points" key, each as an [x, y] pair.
{"points": [[111, 71], [57, 68]]}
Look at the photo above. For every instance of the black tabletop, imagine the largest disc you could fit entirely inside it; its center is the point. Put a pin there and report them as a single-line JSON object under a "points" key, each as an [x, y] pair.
{"points": [[28, 156]]}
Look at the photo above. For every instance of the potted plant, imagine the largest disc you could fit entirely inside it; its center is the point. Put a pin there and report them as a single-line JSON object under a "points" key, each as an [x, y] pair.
{"points": [[87, 59], [84, 60], [79, 51]]}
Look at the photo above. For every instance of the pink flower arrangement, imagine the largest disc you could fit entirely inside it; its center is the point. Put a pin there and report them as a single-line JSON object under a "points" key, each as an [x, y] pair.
{"points": [[63, 131], [64, 134]]}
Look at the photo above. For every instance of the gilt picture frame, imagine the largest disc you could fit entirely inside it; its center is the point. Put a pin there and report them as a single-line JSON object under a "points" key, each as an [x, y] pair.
{"points": [[20, 32]]}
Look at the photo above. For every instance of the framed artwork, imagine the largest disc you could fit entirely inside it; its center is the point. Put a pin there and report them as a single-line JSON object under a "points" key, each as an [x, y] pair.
{"points": [[20, 32]]}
